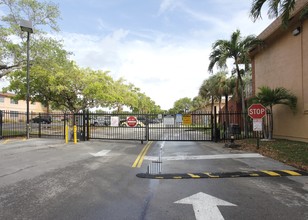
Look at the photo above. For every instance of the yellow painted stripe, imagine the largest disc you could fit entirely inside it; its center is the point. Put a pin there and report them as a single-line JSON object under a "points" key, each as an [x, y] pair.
{"points": [[193, 175], [6, 141], [139, 156], [212, 176], [144, 153], [271, 173], [254, 174], [291, 172], [139, 160], [177, 177]]}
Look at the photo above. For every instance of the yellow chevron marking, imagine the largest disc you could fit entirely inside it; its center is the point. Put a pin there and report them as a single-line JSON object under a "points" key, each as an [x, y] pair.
{"points": [[177, 177], [271, 173], [291, 172], [193, 175], [210, 175], [254, 174]]}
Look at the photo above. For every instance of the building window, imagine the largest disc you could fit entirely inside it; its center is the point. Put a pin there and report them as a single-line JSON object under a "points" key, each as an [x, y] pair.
{"points": [[1, 99], [14, 101], [13, 114]]}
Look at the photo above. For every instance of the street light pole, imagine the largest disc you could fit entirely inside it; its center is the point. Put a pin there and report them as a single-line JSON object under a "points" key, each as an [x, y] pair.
{"points": [[26, 26], [28, 86]]}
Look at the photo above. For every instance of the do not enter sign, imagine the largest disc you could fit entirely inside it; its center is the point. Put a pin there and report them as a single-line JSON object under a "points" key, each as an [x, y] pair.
{"points": [[256, 111], [131, 121]]}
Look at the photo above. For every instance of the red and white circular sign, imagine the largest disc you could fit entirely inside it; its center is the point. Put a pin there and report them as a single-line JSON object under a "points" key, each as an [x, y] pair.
{"points": [[131, 121]]}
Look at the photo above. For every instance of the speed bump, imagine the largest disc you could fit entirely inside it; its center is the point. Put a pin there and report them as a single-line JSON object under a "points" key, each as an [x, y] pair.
{"points": [[259, 173]]}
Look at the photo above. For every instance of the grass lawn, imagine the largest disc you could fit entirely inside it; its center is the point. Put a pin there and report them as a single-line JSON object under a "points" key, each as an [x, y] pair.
{"points": [[293, 153]]}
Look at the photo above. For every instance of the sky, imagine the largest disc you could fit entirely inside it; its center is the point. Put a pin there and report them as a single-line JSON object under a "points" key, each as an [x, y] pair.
{"points": [[160, 46]]}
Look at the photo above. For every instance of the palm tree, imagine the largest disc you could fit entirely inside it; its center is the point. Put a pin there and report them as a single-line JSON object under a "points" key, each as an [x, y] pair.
{"points": [[237, 48], [270, 97], [276, 8], [225, 87], [208, 90]]}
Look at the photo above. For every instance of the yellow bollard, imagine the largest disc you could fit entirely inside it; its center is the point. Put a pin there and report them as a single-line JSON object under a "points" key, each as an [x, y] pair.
{"points": [[75, 134], [66, 134]]}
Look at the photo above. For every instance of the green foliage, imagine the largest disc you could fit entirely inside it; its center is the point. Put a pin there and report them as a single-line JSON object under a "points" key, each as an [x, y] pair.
{"points": [[275, 9], [270, 97], [237, 48], [12, 52], [55, 80], [182, 105]]}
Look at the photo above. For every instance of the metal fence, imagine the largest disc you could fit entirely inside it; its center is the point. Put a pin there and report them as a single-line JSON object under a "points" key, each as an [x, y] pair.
{"points": [[203, 126], [239, 125]]}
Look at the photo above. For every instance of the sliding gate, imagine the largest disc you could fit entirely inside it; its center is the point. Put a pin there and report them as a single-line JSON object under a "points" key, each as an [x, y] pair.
{"points": [[178, 127], [151, 127]]}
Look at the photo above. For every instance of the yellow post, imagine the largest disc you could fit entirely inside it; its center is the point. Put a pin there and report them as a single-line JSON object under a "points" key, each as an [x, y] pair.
{"points": [[75, 134], [66, 133]]}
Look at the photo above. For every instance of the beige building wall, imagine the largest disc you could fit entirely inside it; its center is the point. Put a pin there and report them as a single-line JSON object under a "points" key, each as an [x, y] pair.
{"points": [[7, 104], [283, 62]]}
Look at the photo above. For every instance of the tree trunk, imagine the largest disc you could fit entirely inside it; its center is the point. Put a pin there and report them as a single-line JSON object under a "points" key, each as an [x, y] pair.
{"points": [[271, 121], [243, 108], [227, 109]]}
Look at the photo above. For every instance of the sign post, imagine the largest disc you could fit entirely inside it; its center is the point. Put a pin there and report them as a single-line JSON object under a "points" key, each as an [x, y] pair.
{"points": [[257, 112]]}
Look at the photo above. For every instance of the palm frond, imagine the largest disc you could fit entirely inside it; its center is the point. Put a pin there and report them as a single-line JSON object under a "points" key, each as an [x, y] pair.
{"points": [[270, 97], [287, 7], [255, 11]]}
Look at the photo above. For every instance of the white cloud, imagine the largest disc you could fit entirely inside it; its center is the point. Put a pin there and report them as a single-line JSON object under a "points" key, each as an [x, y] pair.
{"points": [[165, 67], [166, 5], [164, 72]]}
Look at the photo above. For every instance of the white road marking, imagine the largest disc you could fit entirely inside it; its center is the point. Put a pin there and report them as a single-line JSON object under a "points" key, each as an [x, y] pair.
{"points": [[206, 157], [100, 153], [205, 206]]}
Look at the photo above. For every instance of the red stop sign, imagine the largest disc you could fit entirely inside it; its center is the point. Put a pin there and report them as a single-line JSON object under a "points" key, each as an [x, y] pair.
{"points": [[131, 121], [256, 111]]}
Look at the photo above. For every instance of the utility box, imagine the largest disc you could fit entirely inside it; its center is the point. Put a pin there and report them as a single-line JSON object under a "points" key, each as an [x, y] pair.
{"points": [[234, 129]]}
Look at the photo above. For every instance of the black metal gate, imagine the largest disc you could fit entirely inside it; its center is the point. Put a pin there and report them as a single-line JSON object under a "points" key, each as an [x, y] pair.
{"points": [[151, 127], [178, 127], [197, 126]]}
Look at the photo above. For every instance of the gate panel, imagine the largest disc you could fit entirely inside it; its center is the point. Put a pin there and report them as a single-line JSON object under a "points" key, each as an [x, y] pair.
{"points": [[200, 129], [115, 127]]}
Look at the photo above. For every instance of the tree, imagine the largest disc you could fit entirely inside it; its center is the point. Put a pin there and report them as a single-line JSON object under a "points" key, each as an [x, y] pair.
{"points": [[227, 86], [276, 8], [182, 105], [270, 97], [207, 91], [237, 48], [199, 102], [53, 60], [12, 52]]}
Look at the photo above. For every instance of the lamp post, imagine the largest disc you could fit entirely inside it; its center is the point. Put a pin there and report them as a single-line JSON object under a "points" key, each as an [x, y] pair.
{"points": [[26, 26]]}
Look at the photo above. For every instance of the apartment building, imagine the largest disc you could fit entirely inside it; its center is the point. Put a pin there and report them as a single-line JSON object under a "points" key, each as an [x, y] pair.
{"points": [[8, 104], [283, 62]]}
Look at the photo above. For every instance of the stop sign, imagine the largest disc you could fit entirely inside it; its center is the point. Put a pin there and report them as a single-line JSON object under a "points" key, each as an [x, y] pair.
{"points": [[256, 111], [131, 121]]}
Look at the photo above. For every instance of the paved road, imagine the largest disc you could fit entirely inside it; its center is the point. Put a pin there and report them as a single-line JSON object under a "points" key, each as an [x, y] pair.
{"points": [[47, 179]]}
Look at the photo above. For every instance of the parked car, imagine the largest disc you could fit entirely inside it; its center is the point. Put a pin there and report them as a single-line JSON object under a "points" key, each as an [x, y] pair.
{"points": [[101, 121], [42, 119]]}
